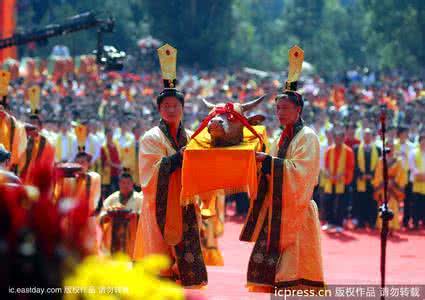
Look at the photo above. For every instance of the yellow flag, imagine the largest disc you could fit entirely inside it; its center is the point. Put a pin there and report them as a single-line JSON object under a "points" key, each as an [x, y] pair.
{"points": [[81, 132], [4, 82], [34, 97]]}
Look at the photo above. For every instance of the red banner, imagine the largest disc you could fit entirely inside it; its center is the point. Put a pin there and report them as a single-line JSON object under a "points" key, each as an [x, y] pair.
{"points": [[7, 27]]}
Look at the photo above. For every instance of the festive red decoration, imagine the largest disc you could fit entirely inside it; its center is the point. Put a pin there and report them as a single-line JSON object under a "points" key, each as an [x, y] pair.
{"points": [[52, 223], [288, 132], [229, 110], [11, 210]]}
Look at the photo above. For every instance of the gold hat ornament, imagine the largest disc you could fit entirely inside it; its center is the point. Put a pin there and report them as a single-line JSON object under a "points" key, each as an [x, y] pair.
{"points": [[296, 59], [168, 59]]}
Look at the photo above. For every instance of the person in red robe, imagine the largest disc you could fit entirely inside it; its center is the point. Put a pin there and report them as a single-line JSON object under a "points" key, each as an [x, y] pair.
{"points": [[339, 171], [111, 165], [38, 158]]}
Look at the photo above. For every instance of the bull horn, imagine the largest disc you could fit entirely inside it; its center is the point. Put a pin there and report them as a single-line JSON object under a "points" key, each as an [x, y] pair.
{"points": [[251, 104], [208, 104]]}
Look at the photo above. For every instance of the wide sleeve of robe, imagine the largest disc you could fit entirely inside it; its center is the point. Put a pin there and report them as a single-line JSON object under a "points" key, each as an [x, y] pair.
{"points": [[161, 189], [151, 152], [19, 143], [300, 172], [95, 190]]}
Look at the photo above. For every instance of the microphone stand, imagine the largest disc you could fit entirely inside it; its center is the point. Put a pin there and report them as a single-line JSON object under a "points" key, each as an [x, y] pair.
{"points": [[384, 212]]}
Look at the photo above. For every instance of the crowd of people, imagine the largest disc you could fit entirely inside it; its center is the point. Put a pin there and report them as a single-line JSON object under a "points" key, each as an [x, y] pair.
{"points": [[105, 150], [118, 107]]}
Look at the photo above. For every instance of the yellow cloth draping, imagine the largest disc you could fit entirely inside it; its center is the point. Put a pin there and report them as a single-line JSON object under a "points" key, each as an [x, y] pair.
{"points": [[12, 136], [339, 170], [397, 180], [361, 183], [211, 229], [234, 169], [419, 186]]}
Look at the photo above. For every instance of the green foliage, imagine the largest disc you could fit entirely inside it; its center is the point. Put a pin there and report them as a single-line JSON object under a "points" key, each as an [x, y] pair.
{"points": [[335, 34], [396, 33], [200, 29]]}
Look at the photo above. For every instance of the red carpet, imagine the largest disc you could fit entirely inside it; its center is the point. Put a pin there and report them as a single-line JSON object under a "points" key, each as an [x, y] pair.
{"points": [[349, 258]]}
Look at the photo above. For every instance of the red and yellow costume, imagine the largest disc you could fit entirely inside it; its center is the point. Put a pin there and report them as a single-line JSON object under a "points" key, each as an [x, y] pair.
{"points": [[82, 191], [397, 179], [338, 161], [12, 132]]}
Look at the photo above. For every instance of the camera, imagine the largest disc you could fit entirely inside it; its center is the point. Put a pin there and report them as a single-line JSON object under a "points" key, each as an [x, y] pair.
{"points": [[111, 58]]}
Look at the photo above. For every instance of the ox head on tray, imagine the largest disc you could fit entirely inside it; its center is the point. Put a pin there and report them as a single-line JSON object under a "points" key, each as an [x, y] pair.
{"points": [[226, 127]]}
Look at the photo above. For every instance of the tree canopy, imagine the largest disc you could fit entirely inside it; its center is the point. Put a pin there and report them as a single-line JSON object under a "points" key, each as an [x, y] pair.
{"points": [[336, 34]]}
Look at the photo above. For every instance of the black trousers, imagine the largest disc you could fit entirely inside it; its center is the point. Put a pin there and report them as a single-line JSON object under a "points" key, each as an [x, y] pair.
{"points": [[408, 209], [349, 200], [418, 208], [316, 196], [335, 206], [365, 207]]}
